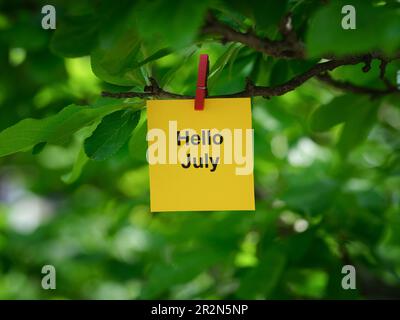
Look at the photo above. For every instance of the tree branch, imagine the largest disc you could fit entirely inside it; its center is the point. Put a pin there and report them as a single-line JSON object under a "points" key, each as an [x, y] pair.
{"points": [[319, 70], [289, 47], [153, 90], [347, 86]]}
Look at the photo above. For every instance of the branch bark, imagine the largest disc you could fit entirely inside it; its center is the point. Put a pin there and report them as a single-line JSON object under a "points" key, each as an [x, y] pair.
{"points": [[319, 71], [349, 87], [288, 48]]}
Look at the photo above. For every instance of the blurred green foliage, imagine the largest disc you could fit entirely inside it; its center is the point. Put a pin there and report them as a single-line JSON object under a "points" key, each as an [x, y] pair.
{"points": [[327, 164]]}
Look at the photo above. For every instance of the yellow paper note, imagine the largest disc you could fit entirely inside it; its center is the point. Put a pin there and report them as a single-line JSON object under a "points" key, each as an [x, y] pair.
{"points": [[200, 160]]}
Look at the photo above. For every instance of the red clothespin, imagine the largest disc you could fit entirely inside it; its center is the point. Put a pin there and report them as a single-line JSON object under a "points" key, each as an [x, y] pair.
{"points": [[201, 90]]}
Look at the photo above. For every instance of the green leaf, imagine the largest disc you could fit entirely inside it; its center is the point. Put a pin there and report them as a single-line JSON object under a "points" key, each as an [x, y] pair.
{"points": [[354, 74], [116, 58], [262, 279], [75, 36], [122, 72], [333, 113], [138, 142], [233, 77], [155, 56], [222, 62], [169, 75], [184, 267], [111, 134], [300, 66], [76, 171], [310, 192], [280, 73], [54, 129], [377, 28], [268, 13], [175, 23], [358, 124], [38, 148], [357, 112], [23, 32]]}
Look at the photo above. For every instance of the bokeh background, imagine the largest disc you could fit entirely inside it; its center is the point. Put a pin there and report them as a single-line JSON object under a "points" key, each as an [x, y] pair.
{"points": [[324, 199]]}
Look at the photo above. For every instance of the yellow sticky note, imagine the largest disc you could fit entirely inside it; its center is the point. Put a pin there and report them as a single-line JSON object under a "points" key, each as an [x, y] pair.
{"points": [[200, 160]]}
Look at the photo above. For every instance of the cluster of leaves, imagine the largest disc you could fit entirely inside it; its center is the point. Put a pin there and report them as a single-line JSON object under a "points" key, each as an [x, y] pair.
{"points": [[326, 163]]}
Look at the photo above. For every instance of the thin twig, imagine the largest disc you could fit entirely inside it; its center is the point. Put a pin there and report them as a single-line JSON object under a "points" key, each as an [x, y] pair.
{"points": [[347, 86]]}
